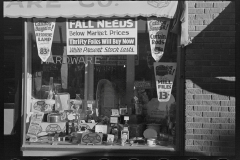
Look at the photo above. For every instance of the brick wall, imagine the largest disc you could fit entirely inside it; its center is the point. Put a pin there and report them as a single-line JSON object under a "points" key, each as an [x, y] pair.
{"points": [[210, 79]]}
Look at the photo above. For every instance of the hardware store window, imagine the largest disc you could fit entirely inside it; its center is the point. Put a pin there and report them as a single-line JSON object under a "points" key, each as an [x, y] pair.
{"points": [[105, 100]]}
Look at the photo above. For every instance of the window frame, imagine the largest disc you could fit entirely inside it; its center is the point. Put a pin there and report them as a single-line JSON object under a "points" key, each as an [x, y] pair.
{"points": [[26, 87]]}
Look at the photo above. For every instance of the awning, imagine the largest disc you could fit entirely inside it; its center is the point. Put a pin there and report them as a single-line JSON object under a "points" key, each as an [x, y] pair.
{"points": [[67, 9]]}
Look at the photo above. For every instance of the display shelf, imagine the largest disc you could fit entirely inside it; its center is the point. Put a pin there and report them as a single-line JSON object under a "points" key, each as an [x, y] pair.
{"points": [[66, 149]]}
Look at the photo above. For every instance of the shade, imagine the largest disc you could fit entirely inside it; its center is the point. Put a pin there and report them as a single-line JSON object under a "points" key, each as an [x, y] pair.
{"points": [[67, 9]]}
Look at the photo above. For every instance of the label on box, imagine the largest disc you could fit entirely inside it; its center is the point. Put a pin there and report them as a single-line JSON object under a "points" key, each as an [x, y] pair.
{"points": [[113, 119], [101, 129]]}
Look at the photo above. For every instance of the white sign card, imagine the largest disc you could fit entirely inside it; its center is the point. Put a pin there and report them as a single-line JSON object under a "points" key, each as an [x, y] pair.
{"points": [[107, 36], [164, 75], [158, 31], [101, 129], [34, 127], [44, 30], [115, 112], [113, 119]]}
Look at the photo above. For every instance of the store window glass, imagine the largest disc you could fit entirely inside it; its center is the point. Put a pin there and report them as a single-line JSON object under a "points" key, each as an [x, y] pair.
{"points": [[106, 96]]}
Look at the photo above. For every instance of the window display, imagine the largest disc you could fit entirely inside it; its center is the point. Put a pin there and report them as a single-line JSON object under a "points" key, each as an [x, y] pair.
{"points": [[111, 98]]}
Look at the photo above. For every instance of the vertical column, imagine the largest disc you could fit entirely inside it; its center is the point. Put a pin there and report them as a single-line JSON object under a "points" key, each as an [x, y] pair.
{"points": [[130, 77]]}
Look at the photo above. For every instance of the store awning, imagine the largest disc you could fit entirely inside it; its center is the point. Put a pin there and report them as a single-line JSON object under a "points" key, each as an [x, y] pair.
{"points": [[67, 9]]}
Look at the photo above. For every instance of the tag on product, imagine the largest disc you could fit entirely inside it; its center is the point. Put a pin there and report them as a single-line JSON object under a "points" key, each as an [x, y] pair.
{"points": [[44, 30]]}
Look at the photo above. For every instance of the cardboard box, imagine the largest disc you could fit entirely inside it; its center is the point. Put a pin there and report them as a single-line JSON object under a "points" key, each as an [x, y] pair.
{"points": [[46, 128], [62, 101]]}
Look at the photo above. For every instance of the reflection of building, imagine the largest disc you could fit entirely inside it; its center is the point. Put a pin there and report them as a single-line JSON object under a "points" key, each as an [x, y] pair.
{"points": [[205, 106]]}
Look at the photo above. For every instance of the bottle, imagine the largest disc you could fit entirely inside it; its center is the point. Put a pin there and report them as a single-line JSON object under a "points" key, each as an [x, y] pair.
{"points": [[51, 89], [125, 130], [115, 133]]}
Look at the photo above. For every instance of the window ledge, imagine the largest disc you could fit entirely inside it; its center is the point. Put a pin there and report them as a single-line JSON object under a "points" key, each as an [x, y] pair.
{"points": [[38, 149]]}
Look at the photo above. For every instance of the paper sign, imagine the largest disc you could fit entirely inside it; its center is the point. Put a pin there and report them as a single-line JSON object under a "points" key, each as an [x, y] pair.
{"points": [[113, 119], [158, 31], [126, 118], [44, 30], [115, 112], [164, 75], [101, 129], [34, 127], [111, 36]]}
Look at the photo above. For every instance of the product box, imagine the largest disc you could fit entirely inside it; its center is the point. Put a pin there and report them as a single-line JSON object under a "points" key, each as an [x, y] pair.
{"points": [[91, 138], [46, 128], [42, 105], [62, 101]]}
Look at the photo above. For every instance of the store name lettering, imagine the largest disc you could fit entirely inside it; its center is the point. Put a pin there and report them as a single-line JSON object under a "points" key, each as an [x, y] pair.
{"points": [[55, 4], [75, 60]]}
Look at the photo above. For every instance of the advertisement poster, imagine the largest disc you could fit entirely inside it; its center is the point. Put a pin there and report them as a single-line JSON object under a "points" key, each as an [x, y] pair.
{"points": [[158, 31], [34, 127], [110, 36], [164, 75], [44, 30]]}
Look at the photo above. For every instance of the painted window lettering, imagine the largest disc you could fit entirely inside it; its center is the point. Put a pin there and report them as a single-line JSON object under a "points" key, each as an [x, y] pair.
{"points": [[52, 4]]}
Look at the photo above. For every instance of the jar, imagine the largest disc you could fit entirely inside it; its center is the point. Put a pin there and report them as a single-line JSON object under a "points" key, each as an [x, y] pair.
{"points": [[54, 117]]}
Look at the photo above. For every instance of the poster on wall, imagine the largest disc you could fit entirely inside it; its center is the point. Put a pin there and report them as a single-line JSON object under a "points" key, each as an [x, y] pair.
{"points": [[164, 75], [110, 36], [158, 31], [44, 30]]}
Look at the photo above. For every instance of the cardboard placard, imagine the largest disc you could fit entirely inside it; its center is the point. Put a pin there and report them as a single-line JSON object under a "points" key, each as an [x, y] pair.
{"points": [[34, 127], [101, 129], [164, 75], [91, 138], [42, 105], [47, 128], [44, 30], [109, 36], [158, 31]]}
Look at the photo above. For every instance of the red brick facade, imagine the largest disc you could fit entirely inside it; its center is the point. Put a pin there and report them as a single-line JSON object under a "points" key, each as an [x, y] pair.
{"points": [[210, 79]]}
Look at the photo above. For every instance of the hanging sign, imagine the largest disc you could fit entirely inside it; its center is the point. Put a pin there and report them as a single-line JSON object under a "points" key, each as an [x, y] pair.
{"points": [[158, 31], [44, 30], [111, 36], [164, 75]]}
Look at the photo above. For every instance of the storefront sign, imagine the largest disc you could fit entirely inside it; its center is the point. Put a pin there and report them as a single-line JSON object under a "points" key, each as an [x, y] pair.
{"points": [[44, 29], [102, 36], [164, 75], [158, 31], [67, 9], [34, 127]]}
